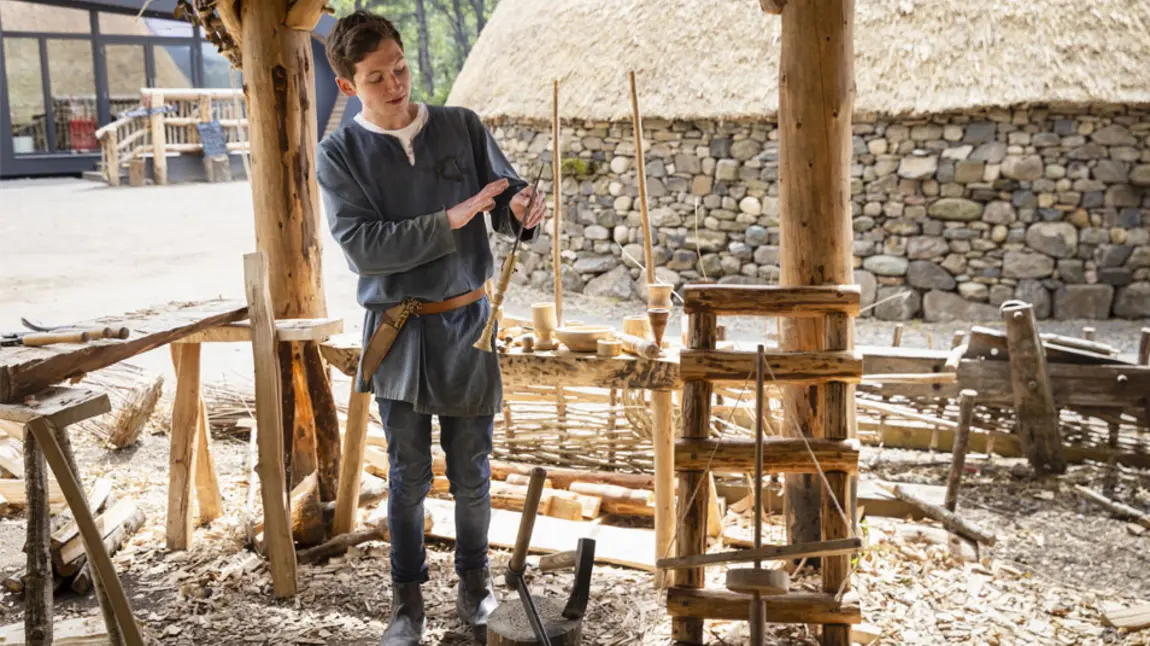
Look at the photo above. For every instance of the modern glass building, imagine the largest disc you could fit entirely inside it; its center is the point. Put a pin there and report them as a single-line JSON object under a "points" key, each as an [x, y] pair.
{"points": [[68, 67]]}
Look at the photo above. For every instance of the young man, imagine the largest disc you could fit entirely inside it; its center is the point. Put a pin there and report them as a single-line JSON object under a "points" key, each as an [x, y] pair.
{"points": [[404, 188]]}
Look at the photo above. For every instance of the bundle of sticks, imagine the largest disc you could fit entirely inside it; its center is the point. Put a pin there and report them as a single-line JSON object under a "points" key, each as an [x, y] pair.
{"points": [[117, 519]]}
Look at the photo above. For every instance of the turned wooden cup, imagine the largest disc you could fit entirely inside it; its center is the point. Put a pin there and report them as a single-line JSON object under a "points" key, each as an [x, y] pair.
{"points": [[543, 320], [659, 296], [638, 325]]}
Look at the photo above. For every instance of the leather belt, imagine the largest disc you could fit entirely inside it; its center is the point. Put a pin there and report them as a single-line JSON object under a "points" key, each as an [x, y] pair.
{"points": [[395, 317]]}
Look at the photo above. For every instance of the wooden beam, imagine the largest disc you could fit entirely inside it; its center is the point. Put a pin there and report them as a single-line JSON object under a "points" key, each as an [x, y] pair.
{"points": [[60, 405], [286, 330], [733, 366], [766, 553], [772, 300], [790, 608], [1033, 400], [182, 451], [281, 551], [1072, 385], [29, 371], [991, 344], [780, 455]]}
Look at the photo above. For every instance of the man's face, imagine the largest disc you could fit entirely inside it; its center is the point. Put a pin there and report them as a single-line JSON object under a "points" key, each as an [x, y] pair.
{"points": [[382, 80]]}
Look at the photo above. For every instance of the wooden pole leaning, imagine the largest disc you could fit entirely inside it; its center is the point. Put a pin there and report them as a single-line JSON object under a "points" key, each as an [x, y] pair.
{"points": [[557, 215], [656, 312]]}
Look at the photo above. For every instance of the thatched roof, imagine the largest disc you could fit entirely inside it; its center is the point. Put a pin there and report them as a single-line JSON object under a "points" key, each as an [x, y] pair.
{"points": [[720, 58]]}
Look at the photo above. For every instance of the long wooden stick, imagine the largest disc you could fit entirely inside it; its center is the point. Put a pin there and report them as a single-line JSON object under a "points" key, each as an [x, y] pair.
{"points": [[1116, 508], [756, 617], [557, 216], [961, 445], [950, 521], [641, 175]]}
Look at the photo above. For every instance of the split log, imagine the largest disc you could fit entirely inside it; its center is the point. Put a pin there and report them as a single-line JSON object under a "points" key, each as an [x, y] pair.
{"points": [[372, 490], [619, 500], [307, 524], [952, 522], [120, 521], [1116, 508], [100, 497], [1033, 398]]}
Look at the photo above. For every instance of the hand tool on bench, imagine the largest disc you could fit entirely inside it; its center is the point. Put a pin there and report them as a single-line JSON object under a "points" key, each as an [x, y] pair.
{"points": [[110, 332], [37, 339], [550, 624]]}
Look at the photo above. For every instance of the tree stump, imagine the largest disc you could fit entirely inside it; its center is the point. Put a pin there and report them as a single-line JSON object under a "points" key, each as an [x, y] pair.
{"points": [[509, 626]]}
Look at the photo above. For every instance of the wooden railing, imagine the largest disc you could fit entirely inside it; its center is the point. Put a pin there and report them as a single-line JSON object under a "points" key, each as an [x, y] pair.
{"points": [[157, 131]]}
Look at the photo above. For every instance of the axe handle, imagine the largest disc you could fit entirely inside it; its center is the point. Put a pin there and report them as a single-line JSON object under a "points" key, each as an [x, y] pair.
{"points": [[527, 522], [48, 338], [557, 561]]}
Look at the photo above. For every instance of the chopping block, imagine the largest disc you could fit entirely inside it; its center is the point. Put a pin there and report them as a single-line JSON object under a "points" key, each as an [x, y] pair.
{"points": [[536, 620]]}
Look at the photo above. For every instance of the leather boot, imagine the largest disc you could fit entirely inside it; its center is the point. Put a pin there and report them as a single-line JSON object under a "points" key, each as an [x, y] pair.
{"points": [[406, 625], [476, 601]]}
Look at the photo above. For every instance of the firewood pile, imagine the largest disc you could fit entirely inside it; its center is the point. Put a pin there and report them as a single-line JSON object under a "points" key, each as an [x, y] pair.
{"points": [[118, 519]]}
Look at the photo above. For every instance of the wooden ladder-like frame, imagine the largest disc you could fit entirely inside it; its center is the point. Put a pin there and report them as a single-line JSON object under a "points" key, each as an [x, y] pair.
{"points": [[833, 369]]}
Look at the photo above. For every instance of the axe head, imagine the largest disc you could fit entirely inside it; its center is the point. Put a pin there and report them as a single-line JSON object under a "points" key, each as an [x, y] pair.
{"points": [[581, 591]]}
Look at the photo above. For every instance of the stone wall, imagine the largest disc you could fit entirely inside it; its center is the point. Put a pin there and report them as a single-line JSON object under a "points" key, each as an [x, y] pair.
{"points": [[958, 213]]}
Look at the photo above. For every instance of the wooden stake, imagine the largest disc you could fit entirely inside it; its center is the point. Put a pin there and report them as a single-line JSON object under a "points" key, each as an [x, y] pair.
{"points": [[269, 424], [692, 531], [961, 445], [354, 444], [663, 440], [1033, 399], [182, 454], [38, 577], [557, 215]]}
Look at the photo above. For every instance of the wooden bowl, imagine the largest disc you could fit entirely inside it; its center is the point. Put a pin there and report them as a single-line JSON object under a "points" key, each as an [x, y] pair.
{"points": [[583, 338]]}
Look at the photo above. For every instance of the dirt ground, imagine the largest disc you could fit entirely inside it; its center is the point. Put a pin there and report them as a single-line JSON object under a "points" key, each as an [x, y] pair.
{"points": [[72, 250]]}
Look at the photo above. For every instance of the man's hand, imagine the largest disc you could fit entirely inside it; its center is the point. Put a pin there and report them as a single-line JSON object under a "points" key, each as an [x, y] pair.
{"points": [[460, 214], [519, 208]]}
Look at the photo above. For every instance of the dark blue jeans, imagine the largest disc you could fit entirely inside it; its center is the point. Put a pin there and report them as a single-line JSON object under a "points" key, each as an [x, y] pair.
{"points": [[467, 443]]}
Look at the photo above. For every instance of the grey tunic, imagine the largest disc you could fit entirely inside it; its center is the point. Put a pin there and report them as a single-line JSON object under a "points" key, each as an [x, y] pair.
{"points": [[390, 219]]}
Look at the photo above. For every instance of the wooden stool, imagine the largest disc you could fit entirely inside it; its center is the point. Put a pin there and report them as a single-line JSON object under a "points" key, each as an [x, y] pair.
{"points": [[43, 421]]}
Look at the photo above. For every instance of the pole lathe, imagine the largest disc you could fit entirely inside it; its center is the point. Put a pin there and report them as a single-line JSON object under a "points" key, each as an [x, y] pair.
{"points": [[486, 342], [658, 297]]}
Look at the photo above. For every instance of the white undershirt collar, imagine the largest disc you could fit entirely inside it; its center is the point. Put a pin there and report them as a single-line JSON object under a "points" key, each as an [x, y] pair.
{"points": [[405, 135]]}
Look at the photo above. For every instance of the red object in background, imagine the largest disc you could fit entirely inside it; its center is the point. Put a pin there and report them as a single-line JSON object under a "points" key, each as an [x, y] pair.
{"points": [[82, 134]]}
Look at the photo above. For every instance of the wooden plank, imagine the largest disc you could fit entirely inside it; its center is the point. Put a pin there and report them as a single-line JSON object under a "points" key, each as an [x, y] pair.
{"points": [[354, 445], [1135, 617], [24, 371], [13, 491], [795, 368], [772, 300], [780, 455], [61, 405], [269, 420], [182, 452], [790, 608], [766, 553], [66, 556], [101, 491], [1071, 385], [286, 330], [93, 542], [989, 343], [623, 546]]}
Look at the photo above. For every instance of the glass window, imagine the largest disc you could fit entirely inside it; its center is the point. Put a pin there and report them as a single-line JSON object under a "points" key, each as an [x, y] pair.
{"points": [[127, 73], [171, 28], [71, 73], [26, 16], [25, 95], [123, 24], [218, 71], [173, 66]]}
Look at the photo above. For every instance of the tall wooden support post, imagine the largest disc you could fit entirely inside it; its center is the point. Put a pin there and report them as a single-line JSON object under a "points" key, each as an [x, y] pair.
{"points": [[1033, 399], [279, 85], [702, 334], [664, 441], [557, 214], [38, 578], [159, 141], [838, 501], [816, 100]]}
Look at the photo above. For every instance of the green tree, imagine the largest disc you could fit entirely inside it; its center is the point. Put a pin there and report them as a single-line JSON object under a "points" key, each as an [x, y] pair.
{"points": [[438, 36]]}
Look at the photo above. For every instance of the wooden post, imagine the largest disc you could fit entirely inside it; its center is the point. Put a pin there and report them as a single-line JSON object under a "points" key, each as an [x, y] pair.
{"points": [[557, 215], [1033, 400], [182, 451], [692, 534], [279, 85], [137, 172], [1144, 348], [354, 445], [961, 445], [269, 426], [664, 441], [38, 577], [159, 141], [838, 503], [112, 158], [816, 102]]}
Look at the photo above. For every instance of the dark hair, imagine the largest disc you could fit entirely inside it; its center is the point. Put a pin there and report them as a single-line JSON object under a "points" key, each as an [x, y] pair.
{"points": [[354, 37]]}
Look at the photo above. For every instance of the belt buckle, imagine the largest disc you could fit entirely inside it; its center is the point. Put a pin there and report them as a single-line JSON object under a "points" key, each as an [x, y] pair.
{"points": [[410, 307]]}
